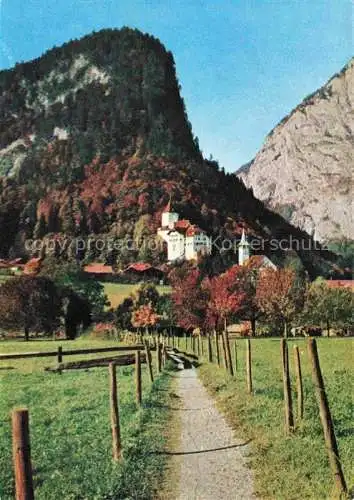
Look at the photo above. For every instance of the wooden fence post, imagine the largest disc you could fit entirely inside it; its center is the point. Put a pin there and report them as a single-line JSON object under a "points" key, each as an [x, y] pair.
{"points": [[228, 352], [235, 349], [115, 425], [217, 347], [210, 350], [163, 354], [326, 418], [138, 377], [22, 455], [60, 354], [224, 350], [158, 357], [299, 386], [288, 404], [249, 367], [148, 361]]}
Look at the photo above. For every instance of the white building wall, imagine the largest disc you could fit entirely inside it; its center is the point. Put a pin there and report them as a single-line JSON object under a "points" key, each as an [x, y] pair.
{"points": [[199, 243], [175, 246], [169, 219], [243, 254], [163, 233]]}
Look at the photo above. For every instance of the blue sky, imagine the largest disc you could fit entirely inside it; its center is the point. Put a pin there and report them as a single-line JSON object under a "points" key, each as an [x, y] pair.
{"points": [[242, 64]]}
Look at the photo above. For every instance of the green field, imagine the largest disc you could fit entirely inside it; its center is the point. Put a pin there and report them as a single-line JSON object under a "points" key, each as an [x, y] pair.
{"points": [[117, 292], [296, 467], [70, 427]]}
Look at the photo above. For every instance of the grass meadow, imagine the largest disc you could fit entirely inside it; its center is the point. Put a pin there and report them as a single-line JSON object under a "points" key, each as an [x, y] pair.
{"points": [[70, 427], [117, 292], [296, 467]]}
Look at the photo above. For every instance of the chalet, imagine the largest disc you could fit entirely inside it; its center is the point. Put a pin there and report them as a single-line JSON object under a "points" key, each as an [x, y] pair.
{"points": [[99, 271], [11, 266], [142, 271]]}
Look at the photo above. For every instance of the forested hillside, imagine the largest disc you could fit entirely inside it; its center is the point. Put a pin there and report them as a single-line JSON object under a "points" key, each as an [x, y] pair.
{"points": [[95, 139]]}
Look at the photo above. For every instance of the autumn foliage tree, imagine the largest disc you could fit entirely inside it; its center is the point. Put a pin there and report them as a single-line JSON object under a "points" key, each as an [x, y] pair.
{"points": [[279, 295], [224, 300], [189, 298], [144, 317], [225, 296], [247, 281], [30, 303], [328, 307]]}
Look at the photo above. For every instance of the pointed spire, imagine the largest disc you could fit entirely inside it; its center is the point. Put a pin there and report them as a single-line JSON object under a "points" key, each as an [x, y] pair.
{"points": [[243, 249], [244, 241], [168, 207]]}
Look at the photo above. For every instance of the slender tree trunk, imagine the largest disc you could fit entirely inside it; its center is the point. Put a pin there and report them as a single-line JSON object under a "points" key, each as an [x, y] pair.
{"points": [[224, 350], [228, 350], [26, 333], [285, 329], [210, 350], [327, 326], [253, 326], [217, 347]]}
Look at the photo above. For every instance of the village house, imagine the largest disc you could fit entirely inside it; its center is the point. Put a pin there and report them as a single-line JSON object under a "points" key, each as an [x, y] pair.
{"points": [[99, 270], [142, 271], [185, 241]]}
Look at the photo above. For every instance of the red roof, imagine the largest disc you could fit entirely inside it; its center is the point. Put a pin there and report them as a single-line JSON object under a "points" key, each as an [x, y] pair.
{"points": [[340, 283], [182, 224], [4, 264], [139, 266], [33, 266], [193, 230], [97, 268]]}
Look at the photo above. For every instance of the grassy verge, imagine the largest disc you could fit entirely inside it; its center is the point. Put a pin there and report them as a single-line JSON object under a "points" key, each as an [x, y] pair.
{"points": [[292, 468], [70, 430]]}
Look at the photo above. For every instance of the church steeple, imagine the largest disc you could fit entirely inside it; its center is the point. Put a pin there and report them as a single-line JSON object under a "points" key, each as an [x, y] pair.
{"points": [[243, 249], [169, 217], [168, 207]]}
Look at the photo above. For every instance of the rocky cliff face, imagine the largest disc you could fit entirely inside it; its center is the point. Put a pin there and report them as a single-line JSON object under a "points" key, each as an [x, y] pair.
{"points": [[304, 170]]}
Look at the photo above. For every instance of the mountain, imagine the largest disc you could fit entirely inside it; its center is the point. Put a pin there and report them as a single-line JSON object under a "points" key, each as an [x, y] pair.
{"points": [[304, 170], [95, 139]]}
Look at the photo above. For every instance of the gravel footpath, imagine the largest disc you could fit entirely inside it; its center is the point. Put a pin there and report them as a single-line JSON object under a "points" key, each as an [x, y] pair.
{"points": [[211, 462]]}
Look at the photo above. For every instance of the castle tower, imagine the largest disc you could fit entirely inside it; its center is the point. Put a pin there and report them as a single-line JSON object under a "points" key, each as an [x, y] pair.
{"points": [[169, 218], [243, 249]]}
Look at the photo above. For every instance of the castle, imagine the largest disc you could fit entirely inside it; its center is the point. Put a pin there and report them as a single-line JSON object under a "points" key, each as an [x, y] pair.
{"points": [[185, 241]]}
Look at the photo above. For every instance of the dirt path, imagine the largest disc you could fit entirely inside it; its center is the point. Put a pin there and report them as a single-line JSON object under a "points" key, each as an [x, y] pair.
{"points": [[208, 461]]}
